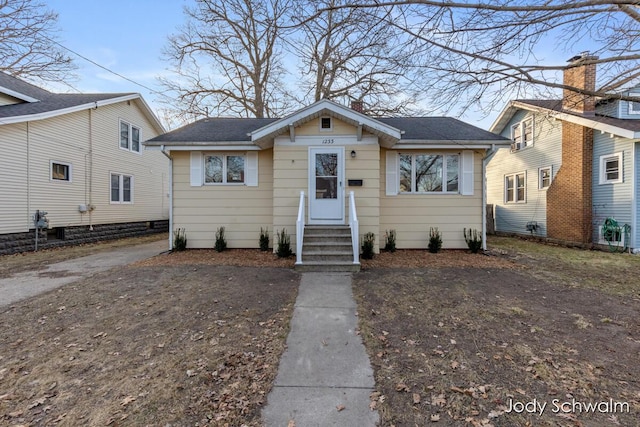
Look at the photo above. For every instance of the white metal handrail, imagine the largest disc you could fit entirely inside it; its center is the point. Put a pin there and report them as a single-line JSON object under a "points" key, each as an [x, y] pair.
{"points": [[300, 229], [354, 226]]}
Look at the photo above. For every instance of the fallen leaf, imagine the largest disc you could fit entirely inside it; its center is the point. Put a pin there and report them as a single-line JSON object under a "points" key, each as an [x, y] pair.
{"points": [[416, 398], [402, 387], [454, 365], [372, 405], [340, 408], [435, 418], [291, 423], [127, 400], [439, 400]]}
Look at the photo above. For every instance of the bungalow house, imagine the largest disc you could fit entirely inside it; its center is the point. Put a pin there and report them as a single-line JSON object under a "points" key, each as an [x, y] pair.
{"points": [[571, 173], [325, 166], [79, 158]]}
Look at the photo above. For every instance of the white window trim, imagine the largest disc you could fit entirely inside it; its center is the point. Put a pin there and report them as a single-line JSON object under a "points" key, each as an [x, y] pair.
{"points": [[120, 200], [224, 168], [444, 172], [130, 143], [515, 188], [540, 187], [68, 165], [631, 109], [603, 175], [519, 128], [330, 128]]}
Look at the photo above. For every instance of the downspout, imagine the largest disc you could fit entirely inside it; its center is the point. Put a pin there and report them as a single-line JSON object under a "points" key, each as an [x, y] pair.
{"points": [[485, 160], [170, 196], [29, 217], [90, 206]]}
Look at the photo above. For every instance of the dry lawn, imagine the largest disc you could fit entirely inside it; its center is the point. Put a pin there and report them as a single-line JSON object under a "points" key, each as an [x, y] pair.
{"points": [[457, 346], [194, 338]]}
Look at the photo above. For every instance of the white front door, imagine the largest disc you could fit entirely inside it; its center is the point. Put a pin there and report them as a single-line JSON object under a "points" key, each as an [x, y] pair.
{"points": [[326, 185]]}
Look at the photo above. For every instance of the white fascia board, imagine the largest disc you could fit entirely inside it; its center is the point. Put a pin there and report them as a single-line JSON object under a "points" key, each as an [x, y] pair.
{"points": [[318, 107], [582, 121], [17, 95], [504, 117]]}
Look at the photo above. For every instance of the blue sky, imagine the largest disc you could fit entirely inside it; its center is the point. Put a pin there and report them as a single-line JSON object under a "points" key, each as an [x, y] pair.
{"points": [[126, 36]]}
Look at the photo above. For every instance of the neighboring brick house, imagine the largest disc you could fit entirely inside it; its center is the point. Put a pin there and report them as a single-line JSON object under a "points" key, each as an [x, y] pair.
{"points": [[570, 174], [80, 158]]}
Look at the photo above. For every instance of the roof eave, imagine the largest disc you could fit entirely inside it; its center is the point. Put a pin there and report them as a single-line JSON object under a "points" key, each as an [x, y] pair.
{"points": [[17, 95], [451, 144]]}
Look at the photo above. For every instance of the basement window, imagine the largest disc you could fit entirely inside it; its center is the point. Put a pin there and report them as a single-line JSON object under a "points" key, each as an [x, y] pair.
{"points": [[60, 171]]}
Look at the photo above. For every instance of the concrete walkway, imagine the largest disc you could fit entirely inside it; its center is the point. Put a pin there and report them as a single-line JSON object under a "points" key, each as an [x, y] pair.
{"points": [[29, 283], [325, 377]]}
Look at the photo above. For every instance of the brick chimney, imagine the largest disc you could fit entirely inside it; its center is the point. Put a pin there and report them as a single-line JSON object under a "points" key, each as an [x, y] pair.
{"points": [[569, 198], [581, 74], [357, 106]]}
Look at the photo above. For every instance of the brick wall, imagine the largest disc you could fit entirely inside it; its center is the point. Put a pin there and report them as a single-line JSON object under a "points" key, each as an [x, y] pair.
{"points": [[569, 198]]}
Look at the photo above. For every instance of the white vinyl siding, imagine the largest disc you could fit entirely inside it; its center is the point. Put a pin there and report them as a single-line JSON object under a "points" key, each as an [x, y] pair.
{"points": [[547, 152], [84, 140]]}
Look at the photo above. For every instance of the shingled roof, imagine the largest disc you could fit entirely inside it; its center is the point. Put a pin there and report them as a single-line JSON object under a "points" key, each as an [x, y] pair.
{"points": [[34, 103]]}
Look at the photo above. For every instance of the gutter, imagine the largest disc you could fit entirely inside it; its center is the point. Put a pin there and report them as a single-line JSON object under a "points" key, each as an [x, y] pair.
{"points": [[168, 156]]}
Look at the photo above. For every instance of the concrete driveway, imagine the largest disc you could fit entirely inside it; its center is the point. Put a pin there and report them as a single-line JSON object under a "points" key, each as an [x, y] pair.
{"points": [[29, 283]]}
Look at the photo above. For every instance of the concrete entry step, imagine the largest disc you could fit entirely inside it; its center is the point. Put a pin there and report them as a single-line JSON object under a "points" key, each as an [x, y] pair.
{"points": [[327, 248]]}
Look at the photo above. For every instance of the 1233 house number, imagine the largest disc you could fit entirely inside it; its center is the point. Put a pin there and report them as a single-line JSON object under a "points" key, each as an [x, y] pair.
{"points": [[327, 141]]}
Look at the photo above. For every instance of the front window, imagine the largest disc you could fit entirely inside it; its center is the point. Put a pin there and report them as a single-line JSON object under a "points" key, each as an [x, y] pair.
{"points": [[429, 173], [515, 188], [121, 188], [224, 169], [611, 169], [60, 171], [522, 134], [129, 137]]}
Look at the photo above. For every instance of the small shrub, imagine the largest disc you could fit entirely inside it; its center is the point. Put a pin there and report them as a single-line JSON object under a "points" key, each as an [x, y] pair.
{"points": [[179, 239], [435, 240], [473, 239], [390, 241], [221, 242], [264, 239], [284, 245], [367, 245]]}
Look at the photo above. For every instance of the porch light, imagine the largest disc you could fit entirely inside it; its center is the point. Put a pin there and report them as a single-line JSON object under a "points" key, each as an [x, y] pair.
{"points": [[353, 154]]}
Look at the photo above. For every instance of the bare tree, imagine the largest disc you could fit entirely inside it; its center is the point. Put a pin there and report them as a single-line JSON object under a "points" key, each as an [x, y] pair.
{"points": [[483, 53], [28, 46], [351, 54], [227, 59]]}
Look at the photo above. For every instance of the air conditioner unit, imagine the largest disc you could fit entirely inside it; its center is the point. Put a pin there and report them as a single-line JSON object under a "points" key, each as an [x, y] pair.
{"points": [[515, 146]]}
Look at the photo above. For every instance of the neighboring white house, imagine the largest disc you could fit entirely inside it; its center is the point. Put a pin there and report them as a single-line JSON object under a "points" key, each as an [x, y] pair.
{"points": [[406, 173], [571, 173], [80, 158]]}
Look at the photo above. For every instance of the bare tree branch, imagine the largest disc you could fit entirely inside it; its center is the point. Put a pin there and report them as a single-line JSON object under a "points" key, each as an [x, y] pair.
{"points": [[28, 46]]}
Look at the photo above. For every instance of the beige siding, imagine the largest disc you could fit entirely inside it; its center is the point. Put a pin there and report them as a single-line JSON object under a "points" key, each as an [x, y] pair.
{"points": [[290, 176], [365, 166], [8, 100], [89, 142], [242, 210], [14, 214], [412, 215]]}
